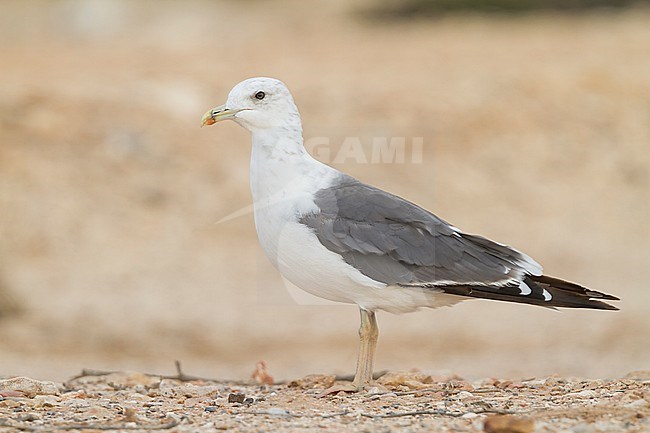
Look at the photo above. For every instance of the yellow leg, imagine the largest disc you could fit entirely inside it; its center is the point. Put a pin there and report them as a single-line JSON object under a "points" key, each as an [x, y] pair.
{"points": [[368, 333]]}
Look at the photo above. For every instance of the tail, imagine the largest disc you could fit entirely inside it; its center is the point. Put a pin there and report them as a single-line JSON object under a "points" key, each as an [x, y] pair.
{"points": [[540, 290]]}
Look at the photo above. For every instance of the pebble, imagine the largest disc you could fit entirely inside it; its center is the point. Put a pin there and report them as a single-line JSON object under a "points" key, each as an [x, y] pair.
{"points": [[276, 411], [28, 417], [236, 398], [29, 387], [9, 404], [536, 384], [98, 412], [10, 393], [46, 401], [375, 390], [173, 416], [508, 424], [191, 402], [587, 393]]}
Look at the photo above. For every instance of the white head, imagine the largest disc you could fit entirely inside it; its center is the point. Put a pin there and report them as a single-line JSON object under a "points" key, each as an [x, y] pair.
{"points": [[257, 104]]}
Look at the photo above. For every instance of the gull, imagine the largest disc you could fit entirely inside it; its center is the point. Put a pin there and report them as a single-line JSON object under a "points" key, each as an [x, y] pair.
{"points": [[343, 240]]}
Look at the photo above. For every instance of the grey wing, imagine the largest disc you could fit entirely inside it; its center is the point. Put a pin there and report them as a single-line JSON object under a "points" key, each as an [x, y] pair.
{"points": [[398, 243]]}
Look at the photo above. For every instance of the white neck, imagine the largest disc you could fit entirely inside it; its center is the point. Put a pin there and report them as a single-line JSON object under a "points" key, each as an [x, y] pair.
{"points": [[279, 143], [281, 165]]}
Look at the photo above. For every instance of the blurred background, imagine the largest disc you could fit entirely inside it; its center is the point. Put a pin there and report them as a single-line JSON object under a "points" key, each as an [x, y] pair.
{"points": [[535, 118]]}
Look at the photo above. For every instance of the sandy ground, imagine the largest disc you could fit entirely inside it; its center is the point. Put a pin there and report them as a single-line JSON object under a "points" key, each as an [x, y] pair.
{"points": [[405, 402], [535, 133]]}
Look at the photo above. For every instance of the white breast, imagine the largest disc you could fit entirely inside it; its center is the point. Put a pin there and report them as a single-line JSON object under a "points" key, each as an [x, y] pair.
{"points": [[282, 194]]}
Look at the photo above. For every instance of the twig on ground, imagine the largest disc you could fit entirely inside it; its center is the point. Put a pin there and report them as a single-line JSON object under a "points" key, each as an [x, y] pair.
{"points": [[180, 376]]}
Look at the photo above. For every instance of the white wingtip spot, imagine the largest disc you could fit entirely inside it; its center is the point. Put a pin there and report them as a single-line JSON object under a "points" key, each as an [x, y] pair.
{"points": [[525, 289], [547, 295]]}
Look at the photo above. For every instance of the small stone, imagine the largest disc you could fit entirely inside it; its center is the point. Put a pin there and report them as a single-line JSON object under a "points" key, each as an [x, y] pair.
{"points": [[411, 380], [171, 416], [508, 424], [191, 402], [11, 393], [130, 415], [236, 398], [313, 381], [376, 390], [46, 401], [276, 411], [587, 393], [133, 378], [28, 417], [98, 412], [535, 384], [211, 408], [9, 404], [29, 387]]}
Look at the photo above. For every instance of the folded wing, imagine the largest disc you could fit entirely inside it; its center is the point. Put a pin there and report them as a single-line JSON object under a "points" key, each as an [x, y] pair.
{"points": [[394, 241]]}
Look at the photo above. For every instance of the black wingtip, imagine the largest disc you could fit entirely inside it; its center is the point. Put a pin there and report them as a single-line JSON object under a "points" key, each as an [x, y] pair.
{"points": [[572, 295], [563, 294]]}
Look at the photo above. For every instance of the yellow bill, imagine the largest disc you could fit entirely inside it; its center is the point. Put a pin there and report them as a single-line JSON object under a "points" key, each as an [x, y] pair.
{"points": [[217, 114]]}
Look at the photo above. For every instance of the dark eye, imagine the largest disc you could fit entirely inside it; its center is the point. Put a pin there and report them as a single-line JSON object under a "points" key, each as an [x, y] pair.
{"points": [[260, 95]]}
